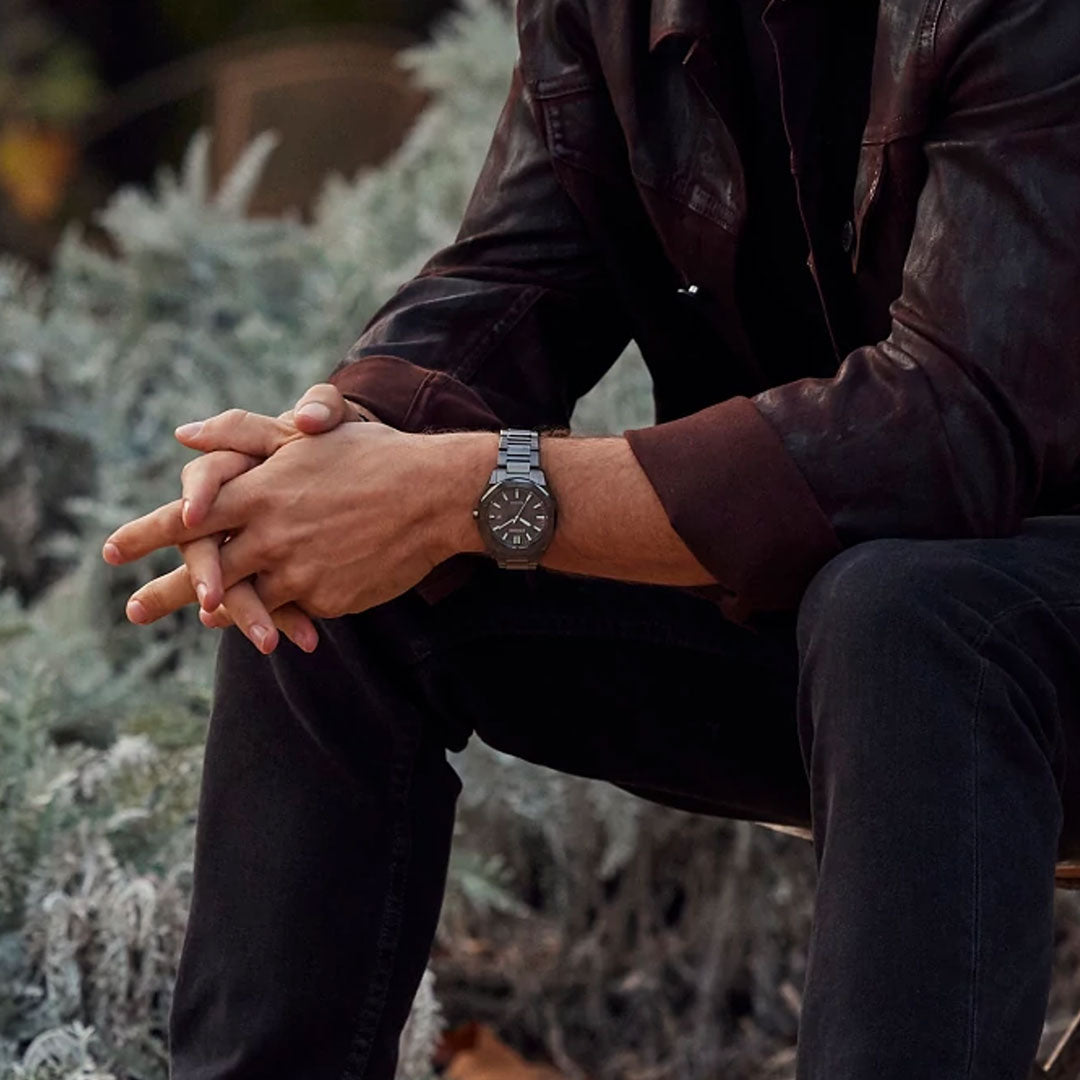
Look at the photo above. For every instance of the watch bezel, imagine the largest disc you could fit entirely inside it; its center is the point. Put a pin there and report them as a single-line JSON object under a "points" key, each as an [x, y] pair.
{"points": [[493, 542]]}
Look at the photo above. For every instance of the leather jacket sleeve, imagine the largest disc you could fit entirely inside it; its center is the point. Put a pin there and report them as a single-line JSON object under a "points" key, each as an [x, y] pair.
{"points": [[966, 418], [511, 323]]}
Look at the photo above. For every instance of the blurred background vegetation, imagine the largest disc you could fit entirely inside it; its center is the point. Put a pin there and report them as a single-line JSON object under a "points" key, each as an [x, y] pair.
{"points": [[201, 204], [96, 94]]}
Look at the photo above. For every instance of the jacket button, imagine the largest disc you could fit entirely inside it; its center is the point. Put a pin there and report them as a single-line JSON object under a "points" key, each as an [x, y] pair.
{"points": [[847, 235]]}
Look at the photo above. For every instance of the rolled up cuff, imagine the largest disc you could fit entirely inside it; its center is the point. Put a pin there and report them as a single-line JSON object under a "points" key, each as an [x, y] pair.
{"points": [[740, 504], [412, 398]]}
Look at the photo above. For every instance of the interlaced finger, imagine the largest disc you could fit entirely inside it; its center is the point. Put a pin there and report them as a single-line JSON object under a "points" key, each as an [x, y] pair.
{"points": [[164, 527], [239, 558], [241, 604], [247, 612], [202, 558], [290, 619], [202, 478], [240, 430]]}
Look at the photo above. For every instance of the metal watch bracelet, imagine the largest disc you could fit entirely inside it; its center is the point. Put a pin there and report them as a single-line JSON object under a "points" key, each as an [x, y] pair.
{"points": [[518, 457]]}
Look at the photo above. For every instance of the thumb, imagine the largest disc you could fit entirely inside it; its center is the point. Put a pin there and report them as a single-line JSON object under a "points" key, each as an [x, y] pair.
{"points": [[320, 409]]}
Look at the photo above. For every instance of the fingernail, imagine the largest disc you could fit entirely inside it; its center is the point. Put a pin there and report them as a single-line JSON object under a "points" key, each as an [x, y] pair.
{"points": [[184, 507], [111, 552], [200, 592], [135, 611], [260, 634], [189, 431], [315, 410], [308, 642]]}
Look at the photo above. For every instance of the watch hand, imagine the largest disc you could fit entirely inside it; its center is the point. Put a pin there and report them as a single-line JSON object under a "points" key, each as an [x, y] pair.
{"points": [[516, 517], [521, 510]]}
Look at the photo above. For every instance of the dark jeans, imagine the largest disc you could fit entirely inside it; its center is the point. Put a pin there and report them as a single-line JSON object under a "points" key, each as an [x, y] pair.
{"points": [[923, 706]]}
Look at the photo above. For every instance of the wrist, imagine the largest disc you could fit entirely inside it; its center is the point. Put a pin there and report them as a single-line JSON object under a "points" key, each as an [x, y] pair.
{"points": [[461, 464]]}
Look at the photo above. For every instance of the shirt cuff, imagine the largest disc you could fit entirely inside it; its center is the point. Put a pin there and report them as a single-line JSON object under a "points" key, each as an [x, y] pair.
{"points": [[740, 504], [412, 398]]}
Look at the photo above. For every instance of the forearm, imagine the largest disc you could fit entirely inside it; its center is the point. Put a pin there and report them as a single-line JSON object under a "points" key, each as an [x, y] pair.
{"points": [[610, 520]]}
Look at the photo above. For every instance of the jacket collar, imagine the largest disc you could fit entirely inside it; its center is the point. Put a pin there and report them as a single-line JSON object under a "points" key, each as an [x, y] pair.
{"points": [[683, 18], [669, 18]]}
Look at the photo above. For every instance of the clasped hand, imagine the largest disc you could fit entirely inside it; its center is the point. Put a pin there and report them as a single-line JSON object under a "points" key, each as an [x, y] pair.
{"points": [[288, 518]]}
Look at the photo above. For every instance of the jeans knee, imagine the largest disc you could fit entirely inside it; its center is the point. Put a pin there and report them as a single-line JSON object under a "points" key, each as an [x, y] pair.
{"points": [[876, 593], [886, 623], [903, 642]]}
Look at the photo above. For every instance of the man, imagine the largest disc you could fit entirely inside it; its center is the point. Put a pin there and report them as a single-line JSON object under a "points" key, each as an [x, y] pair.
{"points": [[838, 581]]}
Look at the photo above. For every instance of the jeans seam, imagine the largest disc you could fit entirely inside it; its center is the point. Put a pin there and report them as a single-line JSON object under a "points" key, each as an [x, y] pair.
{"points": [[979, 643], [371, 1010], [976, 869]]}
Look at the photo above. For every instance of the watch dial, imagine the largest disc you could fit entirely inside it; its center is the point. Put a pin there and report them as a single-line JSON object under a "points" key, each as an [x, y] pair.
{"points": [[517, 516]]}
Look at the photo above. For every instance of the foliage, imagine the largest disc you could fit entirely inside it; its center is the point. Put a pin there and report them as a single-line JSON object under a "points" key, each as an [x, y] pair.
{"points": [[194, 308]]}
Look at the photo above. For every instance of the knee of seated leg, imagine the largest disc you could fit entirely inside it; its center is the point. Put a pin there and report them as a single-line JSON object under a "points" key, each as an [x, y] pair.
{"points": [[869, 587]]}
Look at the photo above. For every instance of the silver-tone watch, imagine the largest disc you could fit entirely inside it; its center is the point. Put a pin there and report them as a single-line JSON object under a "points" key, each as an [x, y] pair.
{"points": [[516, 511]]}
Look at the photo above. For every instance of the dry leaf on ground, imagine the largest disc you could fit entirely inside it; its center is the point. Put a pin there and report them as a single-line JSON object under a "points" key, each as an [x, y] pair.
{"points": [[475, 1052]]}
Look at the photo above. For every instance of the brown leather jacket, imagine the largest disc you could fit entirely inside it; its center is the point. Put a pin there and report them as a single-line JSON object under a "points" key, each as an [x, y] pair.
{"points": [[613, 182]]}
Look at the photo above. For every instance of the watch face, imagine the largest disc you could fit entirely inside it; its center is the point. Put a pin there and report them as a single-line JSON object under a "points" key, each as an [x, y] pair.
{"points": [[516, 516]]}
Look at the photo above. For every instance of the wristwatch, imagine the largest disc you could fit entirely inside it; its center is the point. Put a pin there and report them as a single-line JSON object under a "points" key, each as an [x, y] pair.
{"points": [[516, 511]]}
